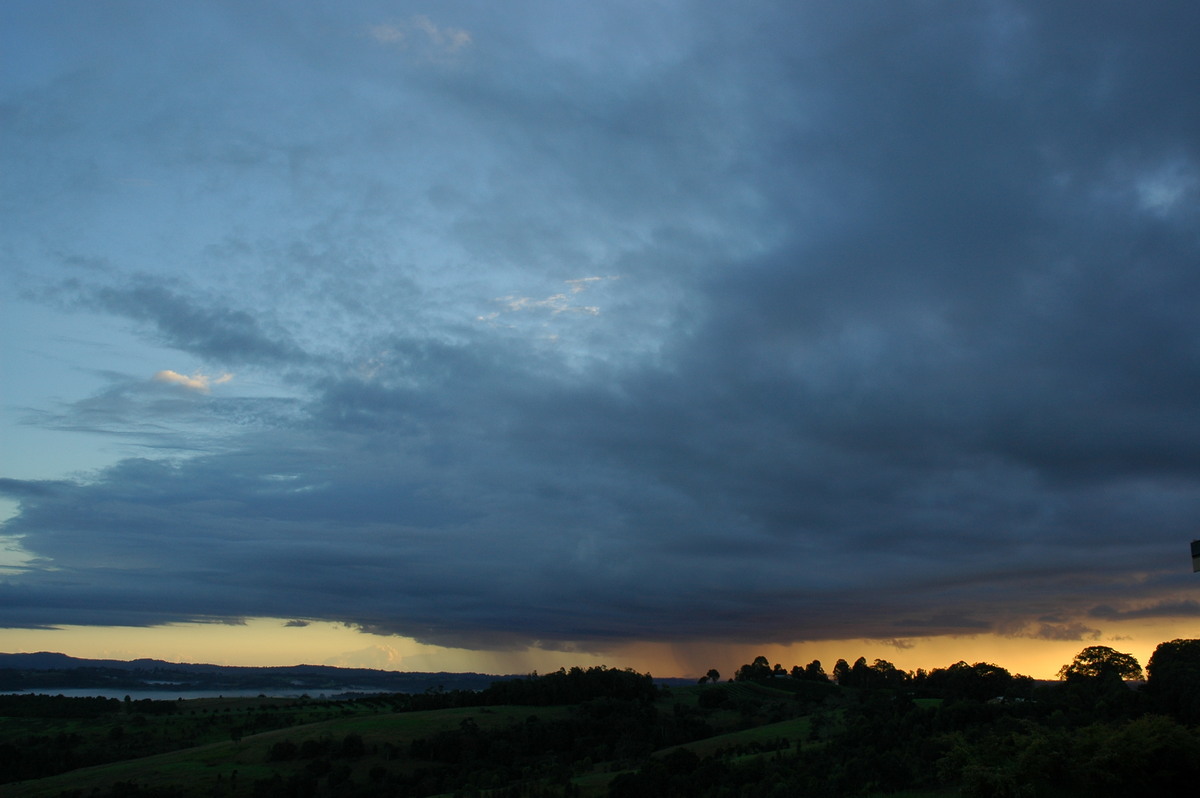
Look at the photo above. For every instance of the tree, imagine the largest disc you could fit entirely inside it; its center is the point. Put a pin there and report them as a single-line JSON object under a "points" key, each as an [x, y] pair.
{"points": [[979, 682], [1101, 663], [814, 672], [860, 673], [841, 670], [713, 698], [714, 675], [1173, 679], [757, 671], [885, 674]]}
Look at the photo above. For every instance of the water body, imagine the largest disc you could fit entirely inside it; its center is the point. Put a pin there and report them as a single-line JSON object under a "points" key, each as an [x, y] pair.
{"points": [[172, 695]]}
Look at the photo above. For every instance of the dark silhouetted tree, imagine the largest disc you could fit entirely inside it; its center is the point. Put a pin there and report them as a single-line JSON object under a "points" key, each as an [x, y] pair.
{"points": [[1173, 679], [978, 682], [757, 671], [813, 672], [860, 673], [1103, 663], [885, 674], [841, 672]]}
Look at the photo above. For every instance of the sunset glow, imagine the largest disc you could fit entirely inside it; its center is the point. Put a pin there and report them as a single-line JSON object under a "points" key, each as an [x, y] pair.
{"points": [[504, 337]]}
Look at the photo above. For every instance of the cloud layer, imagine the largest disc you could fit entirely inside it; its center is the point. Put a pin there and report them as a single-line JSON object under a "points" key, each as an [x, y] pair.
{"points": [[903, 343]]}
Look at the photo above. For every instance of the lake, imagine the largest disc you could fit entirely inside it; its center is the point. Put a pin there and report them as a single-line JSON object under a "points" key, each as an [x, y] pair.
{"points": [[171, 695]]}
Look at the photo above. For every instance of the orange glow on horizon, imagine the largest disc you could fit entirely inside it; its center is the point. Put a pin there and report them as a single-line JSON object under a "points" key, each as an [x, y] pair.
{"points": [[270, 642]]}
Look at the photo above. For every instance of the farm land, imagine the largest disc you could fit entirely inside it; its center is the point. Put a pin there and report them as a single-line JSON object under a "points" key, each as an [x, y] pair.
{"points": [[971, 730]]}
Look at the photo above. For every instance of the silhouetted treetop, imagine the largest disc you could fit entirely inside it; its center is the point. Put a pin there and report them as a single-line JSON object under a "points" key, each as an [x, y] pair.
{"points": [[1173, 679], [1101, 662]]}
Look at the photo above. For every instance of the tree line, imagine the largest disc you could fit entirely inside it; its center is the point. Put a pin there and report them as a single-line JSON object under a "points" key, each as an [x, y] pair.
{"points": [[864, 729], [960, 679]]}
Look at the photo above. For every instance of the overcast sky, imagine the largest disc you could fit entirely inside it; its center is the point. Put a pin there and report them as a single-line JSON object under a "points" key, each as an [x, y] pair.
{"points": [[571, 323]]}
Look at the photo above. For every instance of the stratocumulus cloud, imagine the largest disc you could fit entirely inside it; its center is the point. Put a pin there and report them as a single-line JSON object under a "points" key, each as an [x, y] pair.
{"points": [[903, 342]]}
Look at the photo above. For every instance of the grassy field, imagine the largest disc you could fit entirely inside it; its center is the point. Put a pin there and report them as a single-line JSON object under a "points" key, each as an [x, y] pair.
{"points": [[239, 747], [230, 768], [221, 765]]}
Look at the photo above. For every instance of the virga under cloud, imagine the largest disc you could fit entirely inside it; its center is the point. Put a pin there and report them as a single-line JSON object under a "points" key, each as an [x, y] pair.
{"points": [[903, 343]]}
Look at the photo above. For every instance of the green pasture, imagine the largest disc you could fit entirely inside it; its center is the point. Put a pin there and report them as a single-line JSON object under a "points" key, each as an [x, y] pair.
{"points": [[795, 730], [231, 768]]}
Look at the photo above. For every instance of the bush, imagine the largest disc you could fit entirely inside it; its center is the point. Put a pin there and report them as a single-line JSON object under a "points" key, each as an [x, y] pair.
{"points": [[282, 751]]}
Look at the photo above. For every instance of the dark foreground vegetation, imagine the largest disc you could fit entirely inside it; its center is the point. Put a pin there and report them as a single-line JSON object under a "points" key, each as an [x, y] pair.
{"points": [[864, 730]]}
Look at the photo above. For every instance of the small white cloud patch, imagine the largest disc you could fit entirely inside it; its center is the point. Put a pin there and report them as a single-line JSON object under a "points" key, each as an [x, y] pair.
{"points": [[197, 382], [555, 304], [421, 31], [1162, 190]]}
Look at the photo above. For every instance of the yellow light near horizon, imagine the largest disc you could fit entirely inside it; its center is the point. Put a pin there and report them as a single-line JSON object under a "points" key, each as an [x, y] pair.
{"points": [[272, 642], [256, 641], [1034, 657]]}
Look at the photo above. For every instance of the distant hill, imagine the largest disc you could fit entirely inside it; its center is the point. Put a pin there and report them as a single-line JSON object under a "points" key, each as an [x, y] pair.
{"points": [[49, 671], [46, 670]]}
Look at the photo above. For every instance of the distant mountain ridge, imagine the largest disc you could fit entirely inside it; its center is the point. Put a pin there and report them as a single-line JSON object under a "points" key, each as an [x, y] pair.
{"points": [[48, 660], [45, 670]]}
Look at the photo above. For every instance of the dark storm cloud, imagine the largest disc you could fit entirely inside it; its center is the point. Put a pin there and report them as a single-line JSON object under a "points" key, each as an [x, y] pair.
{"points": [[1175, 609], [150, 413], [903, 344], [20, 488], [220, 334], [1065, 631]]}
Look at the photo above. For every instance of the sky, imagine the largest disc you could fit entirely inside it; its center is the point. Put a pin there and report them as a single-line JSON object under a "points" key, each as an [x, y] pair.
{"points": [[661, 334]]}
